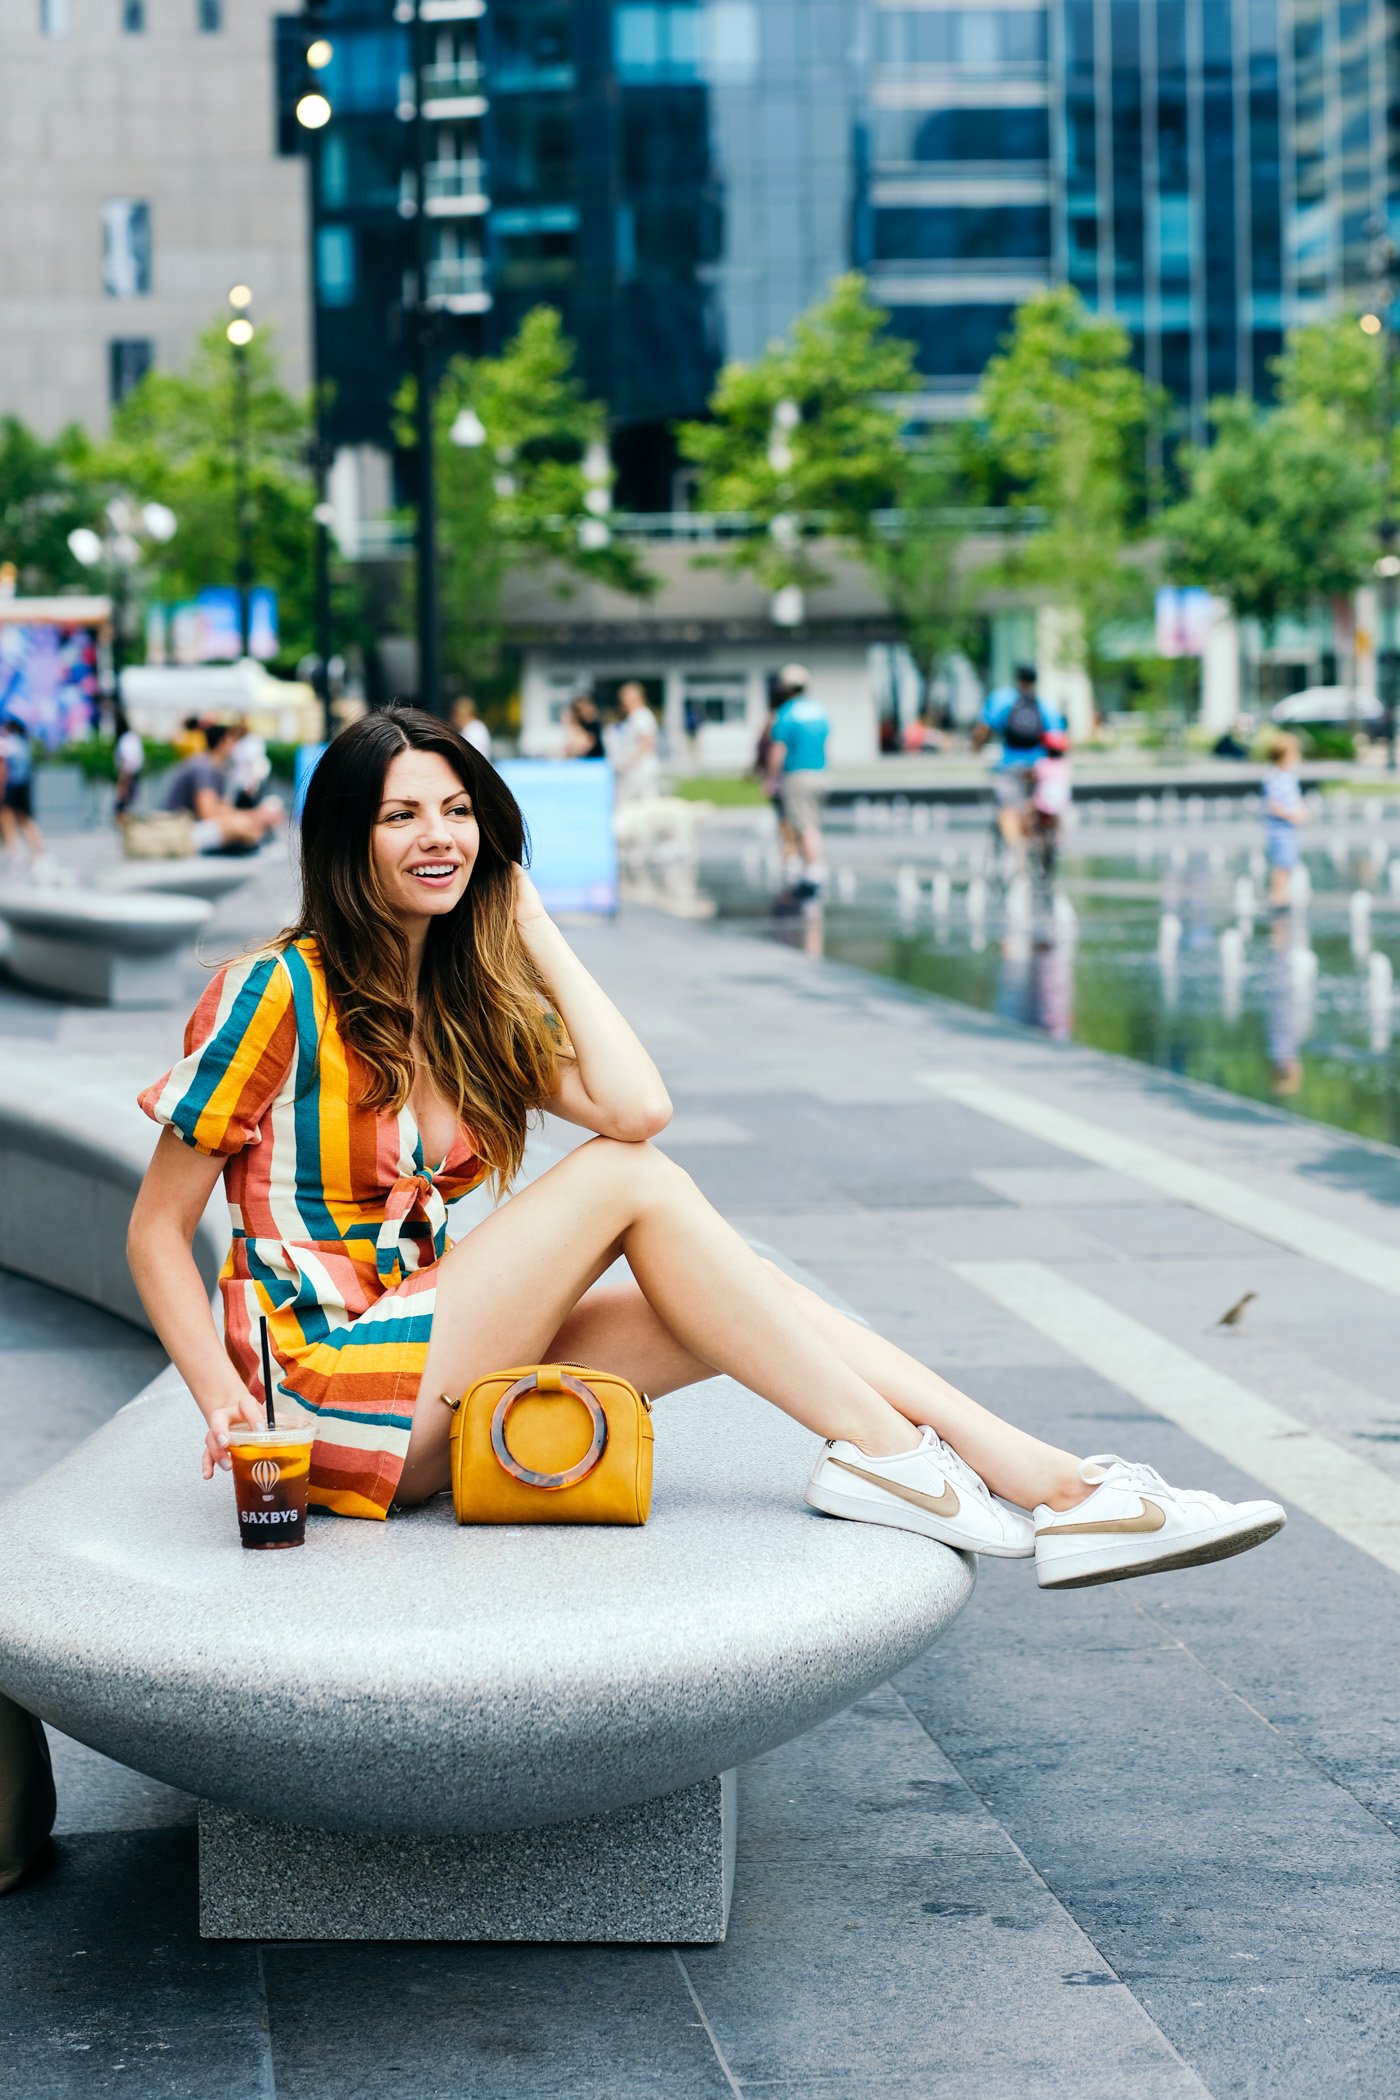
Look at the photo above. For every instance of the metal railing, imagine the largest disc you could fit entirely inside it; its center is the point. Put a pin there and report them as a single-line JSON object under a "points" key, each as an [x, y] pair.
{"points": [[462, 76], [456, 277], [454, 181]]}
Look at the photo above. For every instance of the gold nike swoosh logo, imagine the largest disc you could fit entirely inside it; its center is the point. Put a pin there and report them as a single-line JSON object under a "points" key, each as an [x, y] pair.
{"points": [[944, 1505], [1151, 1519]]}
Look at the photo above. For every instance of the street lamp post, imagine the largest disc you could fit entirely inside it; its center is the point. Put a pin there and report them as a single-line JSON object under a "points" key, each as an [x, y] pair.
{"points": [[423, 326], [1381, 322], [313, 113], [119, 550], [240, 333]]}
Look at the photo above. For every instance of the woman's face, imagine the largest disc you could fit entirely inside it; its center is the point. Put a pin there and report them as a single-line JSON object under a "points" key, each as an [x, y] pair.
{"points": [[425, 839]]}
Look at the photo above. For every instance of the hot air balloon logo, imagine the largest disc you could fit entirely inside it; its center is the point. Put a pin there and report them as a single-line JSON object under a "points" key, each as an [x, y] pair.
{"points": [[266, 1472]]}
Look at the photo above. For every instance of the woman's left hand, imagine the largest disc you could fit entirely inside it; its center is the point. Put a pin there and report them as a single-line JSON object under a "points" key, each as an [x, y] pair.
{"points": [[529, 911]]}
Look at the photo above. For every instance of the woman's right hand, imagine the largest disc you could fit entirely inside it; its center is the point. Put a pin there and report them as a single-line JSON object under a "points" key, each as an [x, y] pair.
{"points": [[219, 1426]]}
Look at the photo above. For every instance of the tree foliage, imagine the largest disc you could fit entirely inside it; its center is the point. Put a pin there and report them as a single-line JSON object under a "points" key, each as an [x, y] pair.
{"points": [[522, 497], [1068, 418], [1280, 509], [929, 588], [45, 492], [172, 441], [837, 465]]}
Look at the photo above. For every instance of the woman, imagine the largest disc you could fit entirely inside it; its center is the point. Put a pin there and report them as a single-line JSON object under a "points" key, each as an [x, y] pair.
{"points": [[382, 1057], [129, 755], [583, 729]]}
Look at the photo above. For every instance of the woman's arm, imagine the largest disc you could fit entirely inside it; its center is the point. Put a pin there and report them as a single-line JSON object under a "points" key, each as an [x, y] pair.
{"points": [[164, 1220], [609, 1085]]}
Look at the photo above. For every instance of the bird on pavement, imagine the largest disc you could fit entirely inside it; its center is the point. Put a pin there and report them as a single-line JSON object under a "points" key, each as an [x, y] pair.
{"points": [[1236, 1313]]}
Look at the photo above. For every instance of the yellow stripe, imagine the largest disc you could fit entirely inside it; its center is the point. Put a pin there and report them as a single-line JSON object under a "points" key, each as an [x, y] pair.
{"points": [[345, 1502]]}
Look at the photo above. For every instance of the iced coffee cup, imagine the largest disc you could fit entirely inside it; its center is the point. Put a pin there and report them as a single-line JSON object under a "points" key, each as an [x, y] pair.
{"points": [[271, 1472]]}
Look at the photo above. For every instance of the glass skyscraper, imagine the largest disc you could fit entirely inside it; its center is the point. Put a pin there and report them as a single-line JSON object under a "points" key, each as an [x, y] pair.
{"points": [[682, 177], [1204, 169]]}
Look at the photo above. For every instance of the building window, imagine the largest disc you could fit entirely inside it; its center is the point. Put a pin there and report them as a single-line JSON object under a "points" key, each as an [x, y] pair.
{"points": [[126, 247], [963, 233], [716, 696], [134, 16], [335, 266], [210, 17], [129, 359], [686, 42], [981, 39], [53, 17]]}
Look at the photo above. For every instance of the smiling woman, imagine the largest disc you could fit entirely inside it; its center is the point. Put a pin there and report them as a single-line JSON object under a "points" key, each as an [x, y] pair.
{"points": [[381, 1057]]}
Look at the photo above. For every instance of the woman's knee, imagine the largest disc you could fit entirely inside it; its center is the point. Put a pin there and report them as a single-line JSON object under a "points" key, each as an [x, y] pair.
{"points": [[641, 1166]]}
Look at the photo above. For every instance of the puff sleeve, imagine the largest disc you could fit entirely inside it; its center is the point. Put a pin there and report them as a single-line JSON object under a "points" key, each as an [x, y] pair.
{"points": [[240, 1043]]}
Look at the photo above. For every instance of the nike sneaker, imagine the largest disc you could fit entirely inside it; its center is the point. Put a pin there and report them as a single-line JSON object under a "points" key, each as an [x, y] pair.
{"points": [[1134, 1524], [929, 1489]]}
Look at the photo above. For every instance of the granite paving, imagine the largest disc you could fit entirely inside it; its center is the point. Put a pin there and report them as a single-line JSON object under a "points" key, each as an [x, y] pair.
{"points": [[1135, 1840]]}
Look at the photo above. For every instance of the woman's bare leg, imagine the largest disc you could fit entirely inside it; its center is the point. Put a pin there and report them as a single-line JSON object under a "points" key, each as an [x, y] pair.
{"points": [[505, 1291], [616, 1328], [523, 1296]]}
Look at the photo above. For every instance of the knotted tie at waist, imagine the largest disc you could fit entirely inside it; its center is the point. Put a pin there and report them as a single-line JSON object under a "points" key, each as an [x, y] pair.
{"points": [[414, 1199]]}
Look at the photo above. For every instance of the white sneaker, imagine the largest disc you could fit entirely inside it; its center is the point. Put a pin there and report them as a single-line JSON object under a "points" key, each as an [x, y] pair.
{"points": [[929, 1489], [1134, 1524]]}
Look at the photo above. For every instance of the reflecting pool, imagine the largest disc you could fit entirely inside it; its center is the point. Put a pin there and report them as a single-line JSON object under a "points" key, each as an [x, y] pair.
{"points": [[1157, 947]]}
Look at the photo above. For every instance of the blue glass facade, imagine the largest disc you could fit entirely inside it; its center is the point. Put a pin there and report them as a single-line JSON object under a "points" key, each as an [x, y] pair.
{"points": [[682, 177]]}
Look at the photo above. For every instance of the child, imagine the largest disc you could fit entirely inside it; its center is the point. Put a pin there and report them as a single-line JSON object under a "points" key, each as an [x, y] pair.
{"points": [[1050, 796], [1283, 814]]}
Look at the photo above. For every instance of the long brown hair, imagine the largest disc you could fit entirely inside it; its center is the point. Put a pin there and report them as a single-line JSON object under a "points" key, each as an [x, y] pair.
{"points": [[482, 1015]]}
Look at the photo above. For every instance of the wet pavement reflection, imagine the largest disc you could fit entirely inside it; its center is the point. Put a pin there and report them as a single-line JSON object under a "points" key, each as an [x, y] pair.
{"points": [[1156, 944]]}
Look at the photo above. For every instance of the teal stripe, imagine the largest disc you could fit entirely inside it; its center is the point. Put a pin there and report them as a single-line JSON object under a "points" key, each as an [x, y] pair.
{"points": [[306, 1109], [223, 1046]]}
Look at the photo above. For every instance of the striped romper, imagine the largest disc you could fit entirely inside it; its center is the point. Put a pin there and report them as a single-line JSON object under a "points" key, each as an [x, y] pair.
{"points": [[338, 1222]]}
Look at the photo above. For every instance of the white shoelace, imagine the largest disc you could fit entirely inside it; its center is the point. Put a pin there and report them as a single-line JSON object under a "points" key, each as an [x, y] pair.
{"points": [[958, 1469], [1146, 1480]]}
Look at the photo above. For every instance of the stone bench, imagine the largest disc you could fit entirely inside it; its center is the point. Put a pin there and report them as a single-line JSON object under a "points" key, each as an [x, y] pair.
{"points": [[414, 1731], [208, 875], [117, 949], [73, 1149]]}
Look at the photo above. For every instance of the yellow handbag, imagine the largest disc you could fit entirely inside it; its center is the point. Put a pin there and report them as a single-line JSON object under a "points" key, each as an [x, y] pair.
{"points": [[551, 1444]]}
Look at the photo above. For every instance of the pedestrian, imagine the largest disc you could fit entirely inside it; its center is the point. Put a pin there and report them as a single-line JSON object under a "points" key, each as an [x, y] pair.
{"points": [[412, 880], [1284, 815], [469, 725], [129, 756], [771, 781], [249, 767], [17, 821], [200, 787], [633, 746], [1018, 716], [797, 760], [583, 728]]}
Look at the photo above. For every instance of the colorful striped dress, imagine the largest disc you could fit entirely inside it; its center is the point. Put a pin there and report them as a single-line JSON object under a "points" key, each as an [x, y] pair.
{"points": [[338, 1222]]}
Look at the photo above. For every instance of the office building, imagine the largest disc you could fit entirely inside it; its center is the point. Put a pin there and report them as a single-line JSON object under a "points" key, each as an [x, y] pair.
{"points": [[1204, 169], [138, 181]]}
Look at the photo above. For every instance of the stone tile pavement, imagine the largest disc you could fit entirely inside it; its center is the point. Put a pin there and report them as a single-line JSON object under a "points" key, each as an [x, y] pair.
{"points": [[1138, 1840]]}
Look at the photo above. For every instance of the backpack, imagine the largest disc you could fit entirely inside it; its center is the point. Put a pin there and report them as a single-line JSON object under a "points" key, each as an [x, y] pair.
{"points": [[1025, 725]]}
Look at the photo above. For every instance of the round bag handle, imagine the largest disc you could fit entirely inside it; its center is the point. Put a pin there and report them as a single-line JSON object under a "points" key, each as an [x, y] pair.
{"points": [[505, 1457]]}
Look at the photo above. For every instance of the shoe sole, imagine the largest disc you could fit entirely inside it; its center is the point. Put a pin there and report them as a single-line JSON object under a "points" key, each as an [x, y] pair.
{"points": [[1082, 1574], [902, 1516]]}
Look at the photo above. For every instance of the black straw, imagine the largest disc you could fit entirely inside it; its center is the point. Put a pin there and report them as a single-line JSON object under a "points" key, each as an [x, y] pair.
{"points": [[267, 1373]]}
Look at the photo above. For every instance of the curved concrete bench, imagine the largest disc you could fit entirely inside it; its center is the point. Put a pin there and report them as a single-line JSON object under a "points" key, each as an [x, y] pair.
{"points": [[73, 1149], [207, 875], [116, 949], [407, 1730]]}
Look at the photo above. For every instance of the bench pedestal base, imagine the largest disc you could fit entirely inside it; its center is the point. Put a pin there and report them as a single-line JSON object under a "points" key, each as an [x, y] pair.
{"points": [[661, 1871], [90, 970]]}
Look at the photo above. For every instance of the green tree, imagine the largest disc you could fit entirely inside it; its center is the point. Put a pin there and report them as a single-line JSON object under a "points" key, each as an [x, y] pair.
{"points": [[918, 560], [804, 441], [531, 488], [1332, 369], [1279, 512], [1068, 419], [45, 492], [172, 441]]}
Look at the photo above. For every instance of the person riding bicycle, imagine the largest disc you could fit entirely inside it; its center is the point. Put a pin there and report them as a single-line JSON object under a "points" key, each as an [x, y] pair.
{"points": [[1021, 719]]}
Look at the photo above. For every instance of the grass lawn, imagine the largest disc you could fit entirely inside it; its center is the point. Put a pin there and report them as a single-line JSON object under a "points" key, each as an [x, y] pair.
{"points": [[723, 789]]}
